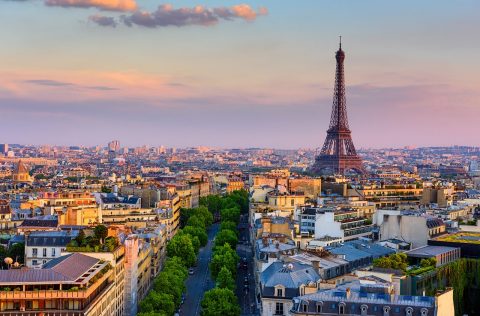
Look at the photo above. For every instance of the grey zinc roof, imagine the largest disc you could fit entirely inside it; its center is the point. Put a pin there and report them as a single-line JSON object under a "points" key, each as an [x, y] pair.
{"points": [[50, 239], [63, 269], [278, 273], [429, 251], [30, 276], [351, 253]]}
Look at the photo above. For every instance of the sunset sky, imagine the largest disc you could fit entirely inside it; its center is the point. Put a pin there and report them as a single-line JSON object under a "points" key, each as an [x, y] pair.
{"points": [[238, 74]]}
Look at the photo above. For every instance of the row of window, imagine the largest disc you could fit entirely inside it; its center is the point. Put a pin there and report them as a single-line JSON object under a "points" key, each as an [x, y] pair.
{"points": [[342, 309], [44, 252]]}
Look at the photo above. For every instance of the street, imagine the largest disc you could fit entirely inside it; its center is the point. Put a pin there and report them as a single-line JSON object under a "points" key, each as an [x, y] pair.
{"points": [[200, 282], [246, 295]]}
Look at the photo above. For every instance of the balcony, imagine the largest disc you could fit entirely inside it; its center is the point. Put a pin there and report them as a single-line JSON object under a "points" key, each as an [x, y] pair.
{"points": [[55, 294]]}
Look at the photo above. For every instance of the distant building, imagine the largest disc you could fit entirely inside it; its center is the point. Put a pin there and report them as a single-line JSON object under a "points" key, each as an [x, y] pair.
{"points": [[21, 174], [114, 146], [4, 148]]}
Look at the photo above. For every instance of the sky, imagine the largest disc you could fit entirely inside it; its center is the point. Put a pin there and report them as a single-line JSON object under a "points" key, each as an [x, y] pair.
{"points": [[238, 73]]}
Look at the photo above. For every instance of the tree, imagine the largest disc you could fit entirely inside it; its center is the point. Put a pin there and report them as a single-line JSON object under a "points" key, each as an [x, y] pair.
{"points": [[225, 279], [17, 252], [204, 213], [196, 221], [80, 238], [226, 236], [170, 283], [101, 232], [229, 225], [220, 302], [212, 202], [240, 197], [181, 246], [224, 256], [157, 302], [197, 232], [230, 214]]}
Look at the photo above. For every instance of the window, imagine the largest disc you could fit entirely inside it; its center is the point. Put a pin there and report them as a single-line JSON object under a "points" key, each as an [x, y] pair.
{"points": [[53, 252], [305, 307], [424, 312], [408, 311], [341, 308], [34, 262], [364, 309], [44, 252], [386, 310], [279, 308], [34, 252], [280, 292], [319, 307]]}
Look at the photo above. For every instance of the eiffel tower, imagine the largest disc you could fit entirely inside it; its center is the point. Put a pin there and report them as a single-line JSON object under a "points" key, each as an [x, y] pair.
{"points": [[338, 153]]}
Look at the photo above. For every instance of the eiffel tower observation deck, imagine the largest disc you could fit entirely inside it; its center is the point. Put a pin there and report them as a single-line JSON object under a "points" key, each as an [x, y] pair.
{"points": [[338, 154]]}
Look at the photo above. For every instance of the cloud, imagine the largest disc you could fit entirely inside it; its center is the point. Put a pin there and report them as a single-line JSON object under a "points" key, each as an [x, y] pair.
{"points": [[106, 5], [55, 83], [47, 82], [101, 88], [103, 20], [166, 15]]}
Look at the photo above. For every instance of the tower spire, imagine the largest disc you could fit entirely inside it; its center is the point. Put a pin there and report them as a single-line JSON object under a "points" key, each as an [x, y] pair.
{"points": [[340, 42]]}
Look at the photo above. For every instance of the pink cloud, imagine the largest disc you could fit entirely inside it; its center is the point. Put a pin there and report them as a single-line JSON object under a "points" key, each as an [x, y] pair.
{"points": [[107, 5], [166, 15]]}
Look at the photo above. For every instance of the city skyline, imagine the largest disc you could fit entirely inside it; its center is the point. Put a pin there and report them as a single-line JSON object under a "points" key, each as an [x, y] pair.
{"points": [[262, 73]]}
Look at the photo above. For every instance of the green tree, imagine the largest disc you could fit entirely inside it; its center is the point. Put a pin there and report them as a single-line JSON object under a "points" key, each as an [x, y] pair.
{"points": [[225, 279], [212, 202], [158, 303], [101, 232], [229, 225], [181, 246], [80, 238], [220, 302], [17, 252], [204, 213], [226, 236], [170, 283], [196, 221], [198, 232], [230, 214], [224, 256]]}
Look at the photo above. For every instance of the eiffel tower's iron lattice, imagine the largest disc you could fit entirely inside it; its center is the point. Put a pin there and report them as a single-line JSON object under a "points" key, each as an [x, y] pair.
{"points": [[338, 153]]}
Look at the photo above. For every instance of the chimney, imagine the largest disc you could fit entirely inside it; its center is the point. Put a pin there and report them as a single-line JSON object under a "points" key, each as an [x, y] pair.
{"points": [[348, 292], [265, 241], [316, 265], [277, 244]]}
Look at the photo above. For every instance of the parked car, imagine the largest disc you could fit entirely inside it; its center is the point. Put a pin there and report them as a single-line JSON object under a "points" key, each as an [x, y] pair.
{"points": [[190, 271]]}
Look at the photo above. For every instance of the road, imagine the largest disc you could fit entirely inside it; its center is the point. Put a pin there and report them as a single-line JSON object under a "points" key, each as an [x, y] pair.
{"points": [[200, 282], [246, 295]]}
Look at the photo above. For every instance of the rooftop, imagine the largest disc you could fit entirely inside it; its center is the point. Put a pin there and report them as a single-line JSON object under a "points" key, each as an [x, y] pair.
{"points": [[71, 268], [461, 237], [429, 251]]}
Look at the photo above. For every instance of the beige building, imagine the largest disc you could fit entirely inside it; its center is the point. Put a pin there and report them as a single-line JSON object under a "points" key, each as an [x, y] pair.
{"points": [[21, 174], [413, 229], [441, 196]]}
